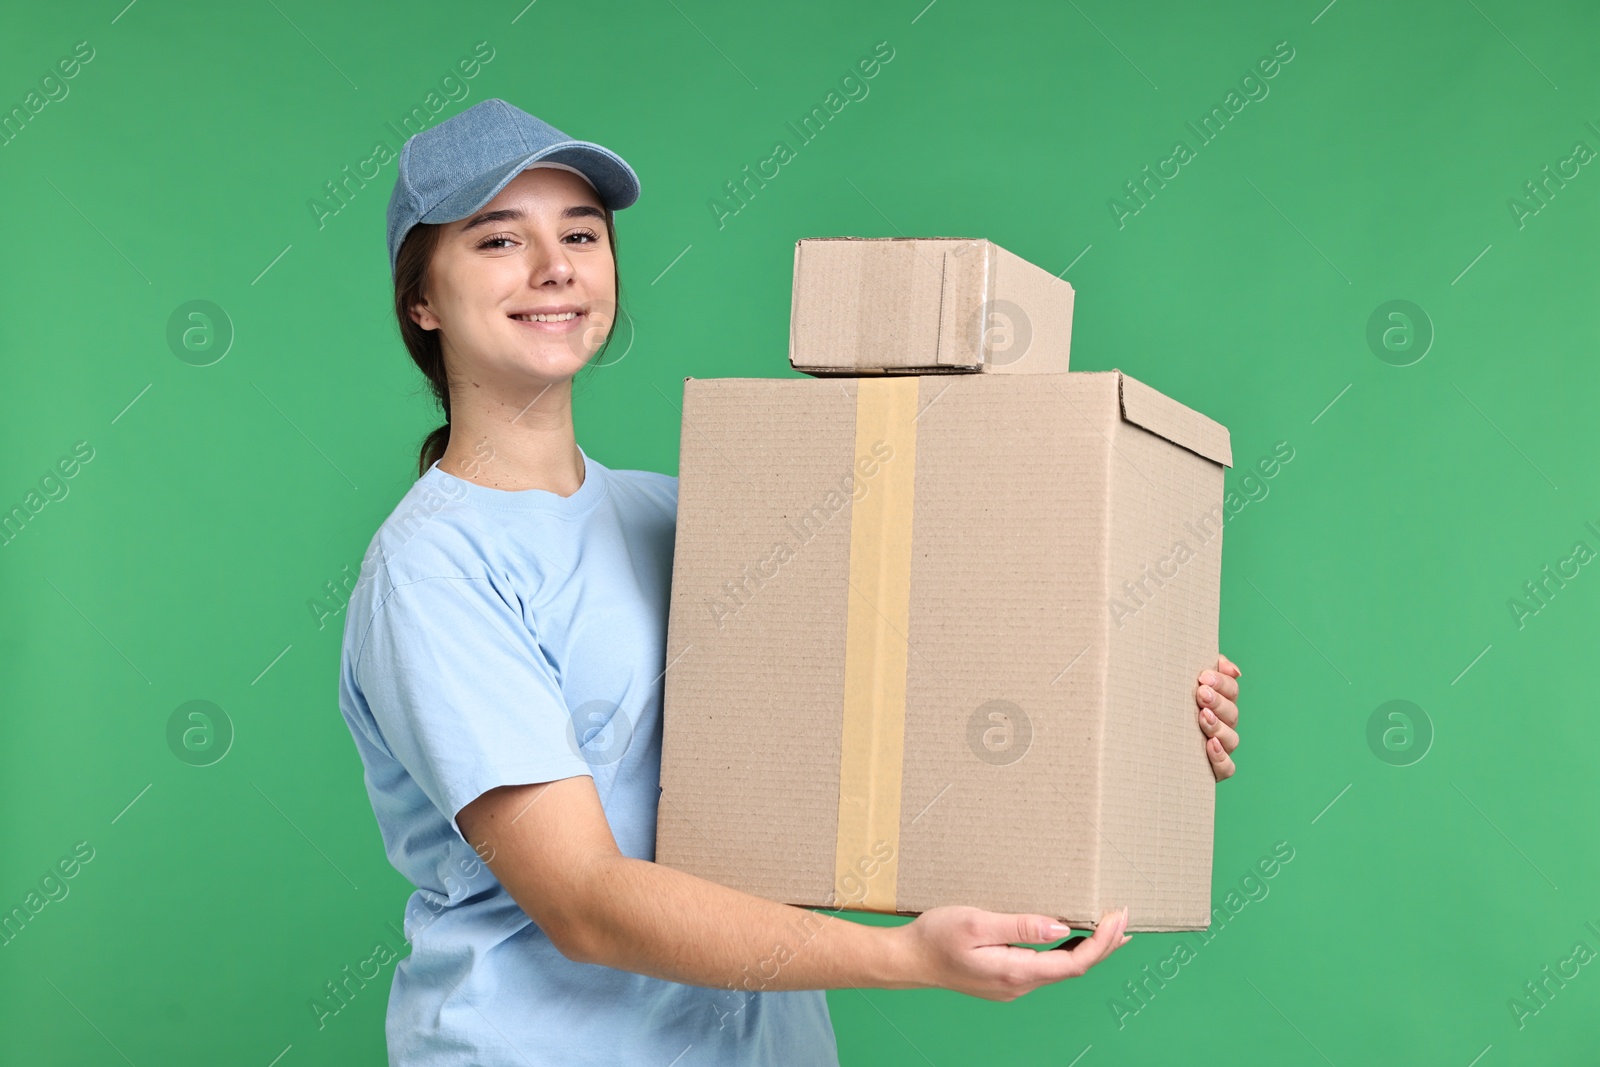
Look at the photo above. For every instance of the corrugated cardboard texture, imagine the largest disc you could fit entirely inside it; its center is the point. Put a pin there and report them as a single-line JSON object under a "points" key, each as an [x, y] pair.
{"points": [[755, 647], [1165, 573], [925, 305], [1007, 603], [1033, 496]]}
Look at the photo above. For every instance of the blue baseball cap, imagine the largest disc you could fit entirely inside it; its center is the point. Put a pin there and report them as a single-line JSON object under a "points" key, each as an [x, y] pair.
{"points": [[451, 170]]}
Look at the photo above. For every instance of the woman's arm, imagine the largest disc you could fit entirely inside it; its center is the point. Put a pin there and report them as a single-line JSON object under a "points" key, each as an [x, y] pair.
{"points": [[553, 850]]}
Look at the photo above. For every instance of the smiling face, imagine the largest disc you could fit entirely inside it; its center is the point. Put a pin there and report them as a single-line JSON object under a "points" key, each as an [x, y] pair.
{"points": [[523, 291]]}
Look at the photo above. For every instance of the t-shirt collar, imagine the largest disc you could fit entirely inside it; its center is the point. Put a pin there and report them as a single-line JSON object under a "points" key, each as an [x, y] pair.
{"points": [[592, 489]]}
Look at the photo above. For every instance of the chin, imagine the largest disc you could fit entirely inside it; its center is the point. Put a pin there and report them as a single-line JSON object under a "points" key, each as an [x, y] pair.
{"points": [[551, 362]]}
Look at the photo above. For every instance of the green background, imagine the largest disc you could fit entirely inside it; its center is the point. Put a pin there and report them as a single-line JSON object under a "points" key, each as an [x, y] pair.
{"points": [[221, 499]]}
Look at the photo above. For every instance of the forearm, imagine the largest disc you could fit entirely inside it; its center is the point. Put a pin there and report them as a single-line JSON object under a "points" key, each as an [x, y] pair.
{"points": [[599, 906], [659, 921]]}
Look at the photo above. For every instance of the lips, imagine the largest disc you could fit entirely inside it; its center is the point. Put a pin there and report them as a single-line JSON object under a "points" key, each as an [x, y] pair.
{"points": [[556, 319]]}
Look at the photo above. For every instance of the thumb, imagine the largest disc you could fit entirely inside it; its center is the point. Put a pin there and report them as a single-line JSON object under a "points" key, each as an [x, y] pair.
{"points": [[1029, 929]]}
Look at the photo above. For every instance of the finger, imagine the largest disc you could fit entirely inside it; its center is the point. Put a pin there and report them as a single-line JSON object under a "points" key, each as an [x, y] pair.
{"points": [[1107, 938], [1225, 709], [1004, 929], [1222, 683], [1221, 765], [1226, 664], [1213, 726]]}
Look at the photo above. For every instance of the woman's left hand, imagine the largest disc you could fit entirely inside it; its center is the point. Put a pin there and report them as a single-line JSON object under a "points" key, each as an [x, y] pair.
{"points": [[1219, 715]]}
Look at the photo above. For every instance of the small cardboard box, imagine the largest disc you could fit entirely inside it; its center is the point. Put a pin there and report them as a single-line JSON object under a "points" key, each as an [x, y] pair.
{"points": [[934, 640], [924, 305]]}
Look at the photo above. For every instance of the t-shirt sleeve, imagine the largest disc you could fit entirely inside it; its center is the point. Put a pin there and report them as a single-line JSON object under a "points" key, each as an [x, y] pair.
{"points": [[461, 693]]}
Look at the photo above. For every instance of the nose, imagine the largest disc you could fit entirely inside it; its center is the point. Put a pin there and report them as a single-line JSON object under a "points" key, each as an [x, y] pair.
{"points": [[548, 262]]}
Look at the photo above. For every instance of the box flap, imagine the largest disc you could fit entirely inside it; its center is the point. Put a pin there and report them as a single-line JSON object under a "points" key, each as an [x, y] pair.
{"points": [[1162, 415], [966, 290]]}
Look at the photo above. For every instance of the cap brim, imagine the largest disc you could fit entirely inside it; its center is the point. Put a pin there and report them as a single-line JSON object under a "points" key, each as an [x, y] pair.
{"points": [[611, 176]]}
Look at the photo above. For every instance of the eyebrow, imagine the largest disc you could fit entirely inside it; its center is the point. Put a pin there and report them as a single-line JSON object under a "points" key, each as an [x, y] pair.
{"points": [[512, 214]]}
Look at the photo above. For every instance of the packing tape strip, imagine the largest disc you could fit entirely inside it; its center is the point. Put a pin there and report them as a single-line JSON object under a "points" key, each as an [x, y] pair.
{"points": [[877, 621]]}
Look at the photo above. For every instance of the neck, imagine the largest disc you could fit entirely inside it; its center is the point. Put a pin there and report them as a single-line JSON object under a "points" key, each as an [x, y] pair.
{"points": [[515, 439]]}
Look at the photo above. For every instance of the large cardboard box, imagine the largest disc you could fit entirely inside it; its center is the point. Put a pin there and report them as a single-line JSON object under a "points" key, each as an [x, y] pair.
{"points": [[934, 639], [925, 305]]}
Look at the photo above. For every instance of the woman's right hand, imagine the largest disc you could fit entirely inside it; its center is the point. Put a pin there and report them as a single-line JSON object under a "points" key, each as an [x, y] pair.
{"points": [[975, 952]]}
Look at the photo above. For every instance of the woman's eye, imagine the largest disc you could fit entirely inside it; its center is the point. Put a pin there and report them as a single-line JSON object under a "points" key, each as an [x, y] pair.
{"points": [[500, 241]]}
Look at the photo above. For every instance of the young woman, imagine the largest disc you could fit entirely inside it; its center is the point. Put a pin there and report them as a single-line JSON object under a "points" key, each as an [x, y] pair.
{"points": [[520, 585]]}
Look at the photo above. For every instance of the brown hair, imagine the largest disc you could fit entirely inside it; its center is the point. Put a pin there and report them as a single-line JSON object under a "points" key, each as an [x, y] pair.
{"points": [[410, 281]]}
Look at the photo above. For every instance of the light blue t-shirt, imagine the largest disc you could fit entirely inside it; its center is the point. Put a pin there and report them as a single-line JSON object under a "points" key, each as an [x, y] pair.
{"points": [[501, 638]]}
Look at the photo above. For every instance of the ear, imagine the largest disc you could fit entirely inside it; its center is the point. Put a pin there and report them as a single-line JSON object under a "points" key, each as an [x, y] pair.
{"points": [[422, 316]]}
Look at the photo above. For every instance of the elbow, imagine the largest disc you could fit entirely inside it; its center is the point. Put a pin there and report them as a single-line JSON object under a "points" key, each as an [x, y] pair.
{"points": [[576, 940], [575, 911], [577, 932]]}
